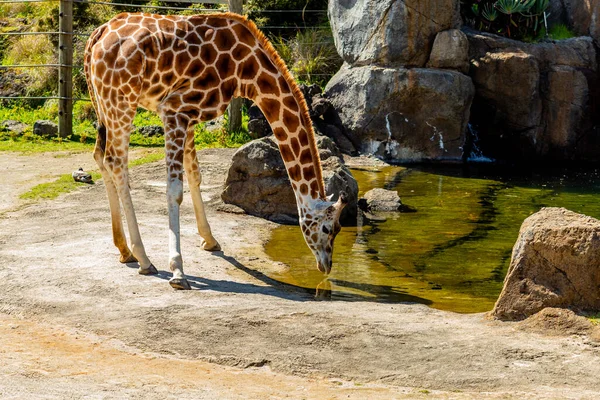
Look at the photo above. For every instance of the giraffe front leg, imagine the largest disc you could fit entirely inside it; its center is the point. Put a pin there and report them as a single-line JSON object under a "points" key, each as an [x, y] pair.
{"points": [[208, 243], [174, 198]]}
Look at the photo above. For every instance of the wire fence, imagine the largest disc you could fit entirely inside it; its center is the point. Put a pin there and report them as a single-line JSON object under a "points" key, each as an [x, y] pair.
{"points": [[66, 35]]}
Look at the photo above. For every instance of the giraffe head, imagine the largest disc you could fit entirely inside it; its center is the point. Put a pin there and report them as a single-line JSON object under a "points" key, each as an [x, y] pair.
{"points": [[320, 226]]}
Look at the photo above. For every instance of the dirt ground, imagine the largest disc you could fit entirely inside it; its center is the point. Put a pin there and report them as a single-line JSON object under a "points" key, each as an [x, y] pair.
{"points": [[74, 323]]}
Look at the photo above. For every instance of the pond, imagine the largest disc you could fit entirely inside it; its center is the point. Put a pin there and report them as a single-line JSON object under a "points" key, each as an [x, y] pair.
{"points": [[453, 253]]}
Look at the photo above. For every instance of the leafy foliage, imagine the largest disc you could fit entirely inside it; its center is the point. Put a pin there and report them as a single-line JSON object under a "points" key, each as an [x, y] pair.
{"points": [[311, 55], [517, 19], [293, 13]]}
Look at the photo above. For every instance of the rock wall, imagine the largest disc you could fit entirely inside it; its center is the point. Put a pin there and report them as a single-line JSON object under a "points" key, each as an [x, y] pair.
{"points": [[583, 16], [390, 32], [401, 94], [534, 101]]}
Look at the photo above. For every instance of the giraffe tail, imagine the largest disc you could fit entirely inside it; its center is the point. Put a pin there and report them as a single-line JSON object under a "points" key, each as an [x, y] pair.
{"points": [[87, 63]]}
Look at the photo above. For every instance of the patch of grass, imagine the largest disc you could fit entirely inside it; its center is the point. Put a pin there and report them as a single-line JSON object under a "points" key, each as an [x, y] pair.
{"points": [[594, 319], [561, 32], [52, 190], [65, 183], [152, 157], [42, 146]]}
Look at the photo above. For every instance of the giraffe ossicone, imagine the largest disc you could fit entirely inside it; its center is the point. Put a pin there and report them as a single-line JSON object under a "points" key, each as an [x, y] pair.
{"points": [[187, 69]]}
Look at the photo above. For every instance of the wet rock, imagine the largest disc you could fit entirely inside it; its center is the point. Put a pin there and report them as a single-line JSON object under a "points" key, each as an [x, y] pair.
{"points": [[151, 131], [14, 127], [390, 32], [381, 200], [555, 263], [450, 51], [257, 181], [46, 129], [403, 115], [534, 101]]}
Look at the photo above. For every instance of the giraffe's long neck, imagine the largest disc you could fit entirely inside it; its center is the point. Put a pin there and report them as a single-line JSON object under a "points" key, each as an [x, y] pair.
{"points": [[287, 113]]}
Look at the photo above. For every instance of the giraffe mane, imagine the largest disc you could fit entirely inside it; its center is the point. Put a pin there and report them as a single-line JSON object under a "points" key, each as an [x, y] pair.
{"points": [[283, 69]]}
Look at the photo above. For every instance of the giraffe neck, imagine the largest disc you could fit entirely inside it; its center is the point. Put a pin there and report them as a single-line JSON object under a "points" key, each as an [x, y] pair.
{"points": [[294, 134]]}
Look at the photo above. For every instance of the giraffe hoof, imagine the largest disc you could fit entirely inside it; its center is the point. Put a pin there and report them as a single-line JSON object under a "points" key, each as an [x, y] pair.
{"points": [[210, 246], [129, 259], [179, 284], [151, 270]]}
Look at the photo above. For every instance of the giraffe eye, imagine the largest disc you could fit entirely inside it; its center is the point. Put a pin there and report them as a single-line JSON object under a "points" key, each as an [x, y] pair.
{"points": [[325, 230]]}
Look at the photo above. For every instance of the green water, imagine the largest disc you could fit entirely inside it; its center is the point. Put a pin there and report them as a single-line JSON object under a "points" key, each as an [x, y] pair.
{"points": [[453, 253]]}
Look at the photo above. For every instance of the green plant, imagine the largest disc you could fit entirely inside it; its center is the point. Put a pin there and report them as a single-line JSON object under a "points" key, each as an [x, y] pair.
{"points": [[310, 55], [34, 49], [489, 12], [518, 19], [560, 32]]}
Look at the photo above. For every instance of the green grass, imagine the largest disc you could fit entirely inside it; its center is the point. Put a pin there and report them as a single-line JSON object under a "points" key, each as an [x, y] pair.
{"points": [[52, 190], [594, 319], [65, 183], [561, 32], [152, 157]]}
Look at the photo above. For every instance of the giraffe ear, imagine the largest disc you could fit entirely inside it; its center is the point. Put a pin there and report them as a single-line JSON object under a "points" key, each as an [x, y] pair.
{"points": [[328, 198]]}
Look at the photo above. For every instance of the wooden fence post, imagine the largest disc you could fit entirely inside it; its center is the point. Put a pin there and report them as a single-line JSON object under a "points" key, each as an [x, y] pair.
{"points": [[235, 107], [65, 74]]}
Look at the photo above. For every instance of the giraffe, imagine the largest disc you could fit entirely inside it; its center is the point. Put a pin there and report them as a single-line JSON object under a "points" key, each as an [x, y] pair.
{"points": [[187, 69]]}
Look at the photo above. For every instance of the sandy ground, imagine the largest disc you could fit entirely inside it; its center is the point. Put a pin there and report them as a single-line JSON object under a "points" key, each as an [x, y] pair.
{"points": [[74, 323]]}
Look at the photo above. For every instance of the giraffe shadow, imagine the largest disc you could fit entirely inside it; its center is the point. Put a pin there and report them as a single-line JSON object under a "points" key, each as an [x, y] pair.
{"points": [[272, 287], [275, 288]]}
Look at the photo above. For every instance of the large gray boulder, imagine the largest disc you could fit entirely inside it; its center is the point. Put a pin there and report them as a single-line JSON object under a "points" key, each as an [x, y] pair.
{"points": [[403, 115], [555, 263], [534, 100], [257, 181], [390, 32]]}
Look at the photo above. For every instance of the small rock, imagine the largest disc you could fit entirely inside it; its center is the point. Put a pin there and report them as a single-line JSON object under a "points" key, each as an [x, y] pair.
{"points": [[151, 131], [13, 126], [81, 176], [45, 129], [380, 200]]}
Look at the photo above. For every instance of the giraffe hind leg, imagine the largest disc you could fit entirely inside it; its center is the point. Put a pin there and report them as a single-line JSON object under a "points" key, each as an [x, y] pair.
{"points": [[190, 162], [115, 162], [119, 238]]}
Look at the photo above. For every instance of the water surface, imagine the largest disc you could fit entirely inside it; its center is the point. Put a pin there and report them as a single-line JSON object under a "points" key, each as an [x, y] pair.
{"points": [[451, 254]]}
